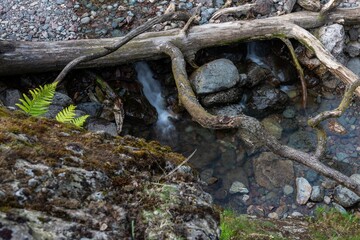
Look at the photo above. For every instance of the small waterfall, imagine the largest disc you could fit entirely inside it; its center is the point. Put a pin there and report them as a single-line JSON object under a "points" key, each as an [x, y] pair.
{"points": [[258, 53], [152, 91]]}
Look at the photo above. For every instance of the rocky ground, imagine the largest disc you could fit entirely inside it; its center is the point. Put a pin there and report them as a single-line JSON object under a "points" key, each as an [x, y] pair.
{"points": [[225, 164]]}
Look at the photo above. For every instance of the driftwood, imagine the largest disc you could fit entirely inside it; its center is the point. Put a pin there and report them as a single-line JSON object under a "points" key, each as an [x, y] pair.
{"points": [[25, 57], [181, 46]]}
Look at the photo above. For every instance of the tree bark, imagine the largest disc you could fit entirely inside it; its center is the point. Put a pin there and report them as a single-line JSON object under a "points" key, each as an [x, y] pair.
{"points": [[27, 57]]}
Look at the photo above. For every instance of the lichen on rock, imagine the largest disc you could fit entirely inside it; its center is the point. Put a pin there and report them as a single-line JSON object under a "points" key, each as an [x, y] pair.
{"points": [[61, 182]]}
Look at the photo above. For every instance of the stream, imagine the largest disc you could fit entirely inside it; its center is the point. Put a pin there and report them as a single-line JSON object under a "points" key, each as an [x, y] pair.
{"points": [[222, 159]]}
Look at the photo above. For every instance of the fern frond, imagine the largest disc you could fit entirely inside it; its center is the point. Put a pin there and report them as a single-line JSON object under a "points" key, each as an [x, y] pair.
{"points": [[40, 101], [66, 115], [80, 120]]}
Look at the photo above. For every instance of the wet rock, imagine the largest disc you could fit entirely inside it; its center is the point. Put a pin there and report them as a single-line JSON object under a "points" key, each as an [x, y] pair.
{"points": [[353, 48], [215, 76], [234, 175], [257, 74], [91, 108], [229, 110], [327, 200], [302, 140], [273, 126], [296, 214], [101, 125], [265, 100], [354, 65], [289, 125], [12, 96], [333, 38], [310, 5], [303, 191], [317, 194], [289, 113], [238, 187], [288, 189], [272, 171], [228, 96]]}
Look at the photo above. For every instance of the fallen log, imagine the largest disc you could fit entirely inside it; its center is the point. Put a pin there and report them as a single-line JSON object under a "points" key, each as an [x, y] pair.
{"points": [[26, 57]]}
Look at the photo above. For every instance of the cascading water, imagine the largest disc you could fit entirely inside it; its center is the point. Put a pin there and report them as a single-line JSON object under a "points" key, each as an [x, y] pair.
{"points": [[258, 53], [152, 91]]}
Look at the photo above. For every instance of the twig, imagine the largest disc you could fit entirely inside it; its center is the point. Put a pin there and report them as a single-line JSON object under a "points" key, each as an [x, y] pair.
{"points": [[182, 163], [299, 70], [243, 9]]}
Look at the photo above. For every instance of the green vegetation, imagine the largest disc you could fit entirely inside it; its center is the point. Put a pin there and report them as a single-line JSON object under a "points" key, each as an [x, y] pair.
{"points": [[331, 224], [327, 224], [236, 227], [40, 101]]}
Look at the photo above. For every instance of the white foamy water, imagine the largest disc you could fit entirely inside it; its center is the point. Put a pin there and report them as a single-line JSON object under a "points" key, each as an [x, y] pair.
{"points": [[152, 91]]}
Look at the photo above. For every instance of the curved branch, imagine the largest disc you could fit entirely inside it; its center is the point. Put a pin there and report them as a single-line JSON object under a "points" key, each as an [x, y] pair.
{"points": [[242, 9], [299, 70], [243, 122], [110, 49]]}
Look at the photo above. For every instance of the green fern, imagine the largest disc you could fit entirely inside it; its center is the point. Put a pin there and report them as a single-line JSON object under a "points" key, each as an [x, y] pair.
{"points": [[41, 100], [67, 115], [80, 120]]}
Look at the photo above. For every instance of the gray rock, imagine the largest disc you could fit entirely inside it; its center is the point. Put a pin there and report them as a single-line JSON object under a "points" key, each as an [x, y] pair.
{"points": [[302, 140], [85, 20], [266, 99], [229, 110], [257, 74], [263, 7], [317, 194], [354, 65], [215, 76], [333, 38], [289, 5], [353, 34], [310, 5], [327, 200], [228, 96], [12, 96], [339, 208], [91, 108], [272, 171], [288, 189], [353, 48], [272, 125], [303, 190], [238, 187], [100, 125], [345, 197], [53, 110], [289, 112], [61, 99]]}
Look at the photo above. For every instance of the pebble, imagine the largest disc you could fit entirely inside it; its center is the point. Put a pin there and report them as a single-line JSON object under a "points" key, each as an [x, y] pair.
{"points": [[288, 189], [273, 215], [238, 187], [85, 20]]}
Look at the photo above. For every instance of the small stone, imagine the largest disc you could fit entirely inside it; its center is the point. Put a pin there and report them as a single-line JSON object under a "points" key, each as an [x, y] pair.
{"points": [[288, 189], [289, 113], [327, 200], [85, 20], [317, 194], [303, 190], [273, 215], [238, 187], [296, 214]]}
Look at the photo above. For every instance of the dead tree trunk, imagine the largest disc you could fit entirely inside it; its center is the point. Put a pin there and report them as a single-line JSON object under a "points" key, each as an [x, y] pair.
{"points": [[25, 57]]}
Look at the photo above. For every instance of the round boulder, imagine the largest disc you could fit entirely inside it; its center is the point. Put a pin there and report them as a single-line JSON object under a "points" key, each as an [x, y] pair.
{"points": [[215, 76]]}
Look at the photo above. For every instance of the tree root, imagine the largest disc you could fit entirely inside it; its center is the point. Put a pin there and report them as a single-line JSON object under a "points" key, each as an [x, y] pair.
{"points": [[243, 122]]}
